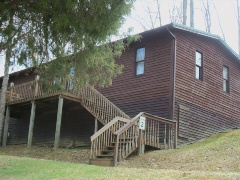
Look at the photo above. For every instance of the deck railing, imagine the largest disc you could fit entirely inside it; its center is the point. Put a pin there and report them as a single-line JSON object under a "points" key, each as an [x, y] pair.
{"points": [[34, 89], [98, 105], [159, 132], [105, 136]]}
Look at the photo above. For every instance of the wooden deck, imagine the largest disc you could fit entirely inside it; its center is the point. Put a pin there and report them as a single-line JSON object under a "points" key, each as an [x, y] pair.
{"points": [[33, 90]]}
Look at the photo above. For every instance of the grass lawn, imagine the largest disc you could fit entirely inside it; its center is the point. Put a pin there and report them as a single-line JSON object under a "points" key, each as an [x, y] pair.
{"points": [[28, 168], [217, 157]]}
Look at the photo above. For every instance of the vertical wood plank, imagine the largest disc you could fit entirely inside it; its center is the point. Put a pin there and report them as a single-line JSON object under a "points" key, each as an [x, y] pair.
{"points": [[58, 123], [31, 124]]}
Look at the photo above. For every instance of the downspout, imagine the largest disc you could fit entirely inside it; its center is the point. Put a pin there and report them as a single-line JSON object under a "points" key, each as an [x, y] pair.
{"points": [[173, 91], [174, 71]]}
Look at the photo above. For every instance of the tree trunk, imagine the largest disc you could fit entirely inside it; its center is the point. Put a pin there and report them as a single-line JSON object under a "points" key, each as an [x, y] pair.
{"points": [[4, 89], [184, 12], [207, 16], [191, 14]]}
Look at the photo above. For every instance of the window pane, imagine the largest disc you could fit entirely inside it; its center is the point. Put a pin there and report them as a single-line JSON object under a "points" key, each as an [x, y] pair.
{"points": [[140, 68], [197, 72], [224, 85], [225, 73], [57, 80], [70, 84], [140, 54], [199, 59], [72, 71]]}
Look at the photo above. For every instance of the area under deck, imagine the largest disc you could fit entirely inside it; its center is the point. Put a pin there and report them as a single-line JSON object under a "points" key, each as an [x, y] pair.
{"points": [[77, 124]]}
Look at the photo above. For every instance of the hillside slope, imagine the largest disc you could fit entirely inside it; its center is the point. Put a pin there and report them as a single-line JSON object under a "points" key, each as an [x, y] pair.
{"points": [[219, 152]]}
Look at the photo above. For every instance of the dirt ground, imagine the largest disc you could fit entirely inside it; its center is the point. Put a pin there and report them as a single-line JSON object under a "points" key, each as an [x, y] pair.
{"points": [[75, 155]]}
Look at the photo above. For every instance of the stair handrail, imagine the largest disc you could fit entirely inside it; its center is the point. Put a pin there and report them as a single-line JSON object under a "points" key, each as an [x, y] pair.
{"points": [[104, 128], [118, 109], [102, 101], [134, 122], [107, 133]]}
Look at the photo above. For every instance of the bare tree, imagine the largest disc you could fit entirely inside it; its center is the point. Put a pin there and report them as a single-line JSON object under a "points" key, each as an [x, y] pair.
{"points": [[219, 21], [207, 15], [176, 13], [152, 16], [184, 12], [191, 13]]}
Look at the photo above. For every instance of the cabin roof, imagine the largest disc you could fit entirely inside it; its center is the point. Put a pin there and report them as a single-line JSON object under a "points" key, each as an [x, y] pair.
{"points": [[179, 27], [194, 31]]}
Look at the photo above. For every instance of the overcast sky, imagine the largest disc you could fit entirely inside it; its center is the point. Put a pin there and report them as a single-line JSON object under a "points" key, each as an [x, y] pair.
{"points": [[226, 9]]}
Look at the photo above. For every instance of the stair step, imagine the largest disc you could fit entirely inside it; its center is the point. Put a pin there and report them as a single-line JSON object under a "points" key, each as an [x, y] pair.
{"points": [[107, 150], [101, 162], [105, 156]]}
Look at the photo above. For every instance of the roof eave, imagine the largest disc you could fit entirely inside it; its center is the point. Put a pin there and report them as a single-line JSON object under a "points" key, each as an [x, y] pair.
{"points": [[210, 35]]}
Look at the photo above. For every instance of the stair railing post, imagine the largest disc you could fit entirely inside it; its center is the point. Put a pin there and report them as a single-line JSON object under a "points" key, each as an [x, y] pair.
{"points": [[141, 146], [139, 142], [96, 126], [116, 149]]}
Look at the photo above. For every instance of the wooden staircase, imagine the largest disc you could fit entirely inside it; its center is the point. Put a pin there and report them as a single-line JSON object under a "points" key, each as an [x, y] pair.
{"points": [[120, 135]]}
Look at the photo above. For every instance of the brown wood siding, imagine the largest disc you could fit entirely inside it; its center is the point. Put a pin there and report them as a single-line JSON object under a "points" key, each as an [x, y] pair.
{"points": [[206, 98], [19, 78], [148, 92], [196, 122]]}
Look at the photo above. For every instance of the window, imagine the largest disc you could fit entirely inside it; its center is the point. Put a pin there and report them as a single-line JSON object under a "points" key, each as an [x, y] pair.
{"points": [[199, 66], [57, 81], [226, 79], [72, 71], [70, 83], [140, 58]]}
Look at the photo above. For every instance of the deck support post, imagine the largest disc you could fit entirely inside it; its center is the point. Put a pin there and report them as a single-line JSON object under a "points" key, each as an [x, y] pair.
{"points": [[5, 134], [58, 123], [31, 124], [96, 126]]}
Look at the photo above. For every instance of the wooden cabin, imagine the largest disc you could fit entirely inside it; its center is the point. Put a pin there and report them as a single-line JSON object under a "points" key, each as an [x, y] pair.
{"points": [[182, 82]]}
